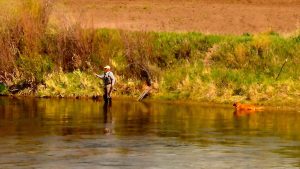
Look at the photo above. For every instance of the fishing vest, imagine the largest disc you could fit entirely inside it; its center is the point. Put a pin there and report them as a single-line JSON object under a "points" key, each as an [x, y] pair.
{"points": [[107, 78]]}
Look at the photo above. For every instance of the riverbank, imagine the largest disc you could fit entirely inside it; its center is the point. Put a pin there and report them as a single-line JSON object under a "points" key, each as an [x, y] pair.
{"points": [[53, 61], [61, 87], [260, 69]]}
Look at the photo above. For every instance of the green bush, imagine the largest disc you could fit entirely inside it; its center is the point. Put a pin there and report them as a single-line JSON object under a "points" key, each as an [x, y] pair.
{"points": [[3, 89], [74, 84], [35, 67]]}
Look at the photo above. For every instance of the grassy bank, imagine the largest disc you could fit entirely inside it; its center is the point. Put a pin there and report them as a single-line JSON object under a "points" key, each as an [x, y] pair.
{"points": [[43, 58]]}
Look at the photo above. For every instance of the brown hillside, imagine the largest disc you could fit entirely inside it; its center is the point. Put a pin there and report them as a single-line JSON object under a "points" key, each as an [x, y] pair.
{"points": [[208, 16]]}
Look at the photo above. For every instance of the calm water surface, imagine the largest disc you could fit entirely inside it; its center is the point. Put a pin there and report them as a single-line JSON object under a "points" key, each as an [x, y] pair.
{"points": [[53, 133]]}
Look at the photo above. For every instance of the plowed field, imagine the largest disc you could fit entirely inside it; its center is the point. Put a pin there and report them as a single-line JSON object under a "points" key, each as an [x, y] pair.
{"points": [[207, 16]]}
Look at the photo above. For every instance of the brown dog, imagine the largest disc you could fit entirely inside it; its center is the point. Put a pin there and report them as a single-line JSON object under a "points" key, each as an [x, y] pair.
{"points": [[246, 107]]}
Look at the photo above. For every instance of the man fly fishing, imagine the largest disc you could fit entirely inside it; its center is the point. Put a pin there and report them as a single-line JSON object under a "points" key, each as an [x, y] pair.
{"points": [[108, 82]]}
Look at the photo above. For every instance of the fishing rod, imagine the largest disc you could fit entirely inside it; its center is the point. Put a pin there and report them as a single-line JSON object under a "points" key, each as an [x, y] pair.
{"points": [[281, 68]]}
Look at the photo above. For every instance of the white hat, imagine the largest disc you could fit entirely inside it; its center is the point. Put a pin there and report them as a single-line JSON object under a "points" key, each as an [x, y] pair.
{"points": [[106, 67]]}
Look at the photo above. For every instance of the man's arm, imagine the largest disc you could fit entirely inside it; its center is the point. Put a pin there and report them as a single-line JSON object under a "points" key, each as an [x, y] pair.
{"points": [[99, 76], [113, 79]]}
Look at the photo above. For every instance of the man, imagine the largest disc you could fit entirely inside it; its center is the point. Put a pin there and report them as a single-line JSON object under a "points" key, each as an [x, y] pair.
{"points": [[108, 81]]}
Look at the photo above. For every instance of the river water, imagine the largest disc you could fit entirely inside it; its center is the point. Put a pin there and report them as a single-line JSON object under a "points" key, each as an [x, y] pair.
{"points": [[66, 133]]}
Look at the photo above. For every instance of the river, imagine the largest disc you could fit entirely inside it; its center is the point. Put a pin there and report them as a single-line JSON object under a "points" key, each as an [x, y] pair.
{"points": [[70, 133]]}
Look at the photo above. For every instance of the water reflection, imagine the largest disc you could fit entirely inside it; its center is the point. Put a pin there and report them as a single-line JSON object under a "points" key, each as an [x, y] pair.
{"points": [[108, 118], [40, 133], [241, 113]]}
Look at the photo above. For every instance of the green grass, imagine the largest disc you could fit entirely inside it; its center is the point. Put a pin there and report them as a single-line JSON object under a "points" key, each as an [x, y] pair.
{"points": [[75, 84], [3, 89]]}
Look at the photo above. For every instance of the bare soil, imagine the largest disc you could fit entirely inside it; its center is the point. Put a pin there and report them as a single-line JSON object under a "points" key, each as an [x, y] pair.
{"points": [[207, 16]]}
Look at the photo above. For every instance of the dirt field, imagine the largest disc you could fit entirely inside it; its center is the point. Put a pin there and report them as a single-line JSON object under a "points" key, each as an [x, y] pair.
{"points": [[207, 16]]}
